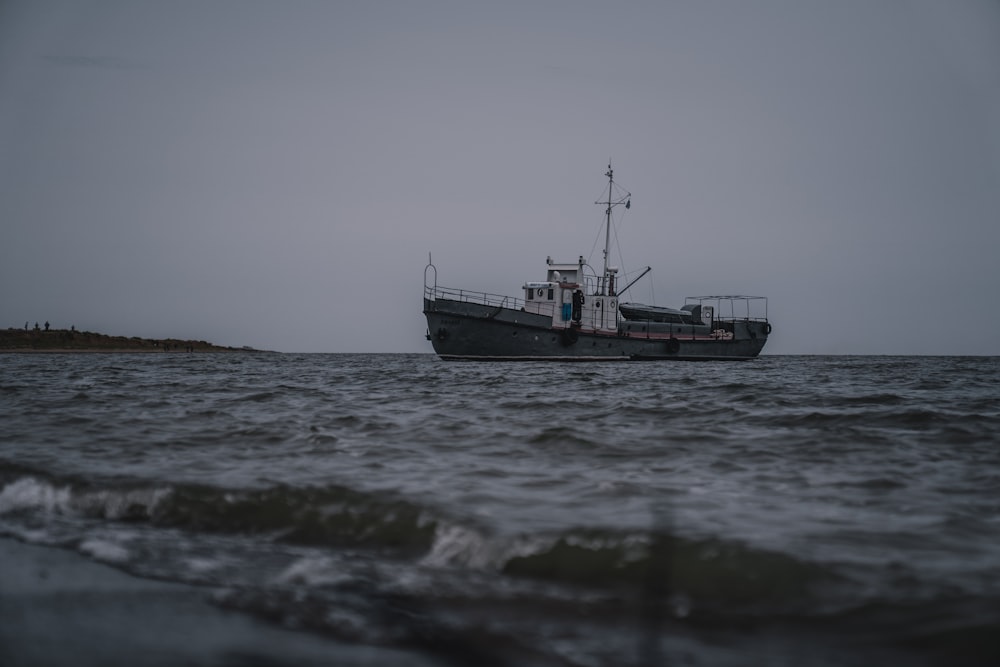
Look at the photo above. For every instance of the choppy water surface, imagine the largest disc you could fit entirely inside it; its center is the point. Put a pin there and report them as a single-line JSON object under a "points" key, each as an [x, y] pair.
{"points": [[788, 510]]}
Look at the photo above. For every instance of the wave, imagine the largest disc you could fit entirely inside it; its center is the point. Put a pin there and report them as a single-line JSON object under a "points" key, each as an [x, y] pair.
{"points": [[340, 517], [322, 516], [905, 419], [451, 566], [330, 515], [32, 494], [875, 399], [709, 571]]}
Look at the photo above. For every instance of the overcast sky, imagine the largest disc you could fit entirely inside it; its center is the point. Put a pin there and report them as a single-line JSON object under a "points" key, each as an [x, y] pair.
{"points": [[274, 174]]}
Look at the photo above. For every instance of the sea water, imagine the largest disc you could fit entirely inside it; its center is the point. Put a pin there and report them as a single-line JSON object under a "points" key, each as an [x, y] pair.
{"points": [[785, 510]]}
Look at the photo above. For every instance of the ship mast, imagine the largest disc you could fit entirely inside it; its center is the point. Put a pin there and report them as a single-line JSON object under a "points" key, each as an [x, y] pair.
{"points": [[605, 287]]}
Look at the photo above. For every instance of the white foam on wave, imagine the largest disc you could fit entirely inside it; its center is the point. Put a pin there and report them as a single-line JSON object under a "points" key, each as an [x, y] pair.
{"points": [[28, 493], [458, 545], [120, 504], [313, 571], [202, 565], [103, 550]]}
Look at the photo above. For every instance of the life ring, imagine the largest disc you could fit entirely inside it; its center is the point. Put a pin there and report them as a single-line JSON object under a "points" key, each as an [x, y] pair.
{"points": [[767, 328], [569, 337], [442, 334], [673, 346]]}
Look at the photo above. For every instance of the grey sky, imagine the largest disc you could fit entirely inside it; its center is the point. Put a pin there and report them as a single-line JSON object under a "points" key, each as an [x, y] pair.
{"points": [[274, 173]]}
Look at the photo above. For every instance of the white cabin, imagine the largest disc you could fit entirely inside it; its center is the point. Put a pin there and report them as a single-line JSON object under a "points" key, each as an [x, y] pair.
{"points": [[563, 297]]}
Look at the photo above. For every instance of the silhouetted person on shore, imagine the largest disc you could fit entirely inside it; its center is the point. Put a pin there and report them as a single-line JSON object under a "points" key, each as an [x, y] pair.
{"points": [[46, 326], [36, 326]]}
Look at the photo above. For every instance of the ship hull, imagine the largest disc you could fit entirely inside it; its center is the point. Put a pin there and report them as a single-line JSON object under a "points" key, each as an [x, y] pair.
{"points": [[460, 330]]}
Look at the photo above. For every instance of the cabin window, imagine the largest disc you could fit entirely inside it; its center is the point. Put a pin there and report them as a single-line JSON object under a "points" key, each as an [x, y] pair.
{"points": [[551, 294], [531, 294]]}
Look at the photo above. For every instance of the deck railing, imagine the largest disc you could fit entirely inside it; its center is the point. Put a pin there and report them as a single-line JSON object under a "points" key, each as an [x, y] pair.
{"points": [[470, 296], [546, 308], [734, 308]]}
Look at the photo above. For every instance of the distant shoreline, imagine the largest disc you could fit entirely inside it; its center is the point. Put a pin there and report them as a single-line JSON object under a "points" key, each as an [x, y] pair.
{"points": [[71, 341], [83, 350]]}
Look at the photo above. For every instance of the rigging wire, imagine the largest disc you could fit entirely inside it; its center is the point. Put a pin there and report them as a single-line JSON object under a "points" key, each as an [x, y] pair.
{"points": [[610, 197], [614, 231]]}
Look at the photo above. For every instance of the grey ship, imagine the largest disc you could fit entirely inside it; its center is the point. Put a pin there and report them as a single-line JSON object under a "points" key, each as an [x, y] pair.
{"points": [[575, 314]]}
